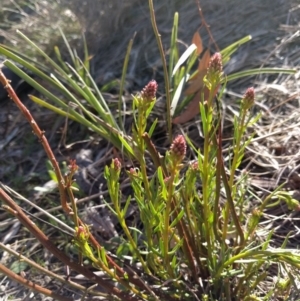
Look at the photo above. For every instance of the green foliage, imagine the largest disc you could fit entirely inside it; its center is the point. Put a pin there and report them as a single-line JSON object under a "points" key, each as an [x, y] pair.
{"points": [[197, 233], [196, 222], [73, 83], [184, 70]]}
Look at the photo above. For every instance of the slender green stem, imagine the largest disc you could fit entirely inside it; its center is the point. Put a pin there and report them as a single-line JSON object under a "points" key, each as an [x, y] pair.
{"points": [[218, 179], [206, 184], [131, 240], [125, 66], [239, 134], [231, 206], [165, 68], [74, 206], [101, 264], [143, 165], [141, 126], [237, 146], [167, 224], [209, 135]]}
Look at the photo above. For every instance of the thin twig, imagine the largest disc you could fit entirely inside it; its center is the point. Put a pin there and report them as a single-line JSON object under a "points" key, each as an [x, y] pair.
{"points": [[33, 286], [46, 271], [47, 243]]}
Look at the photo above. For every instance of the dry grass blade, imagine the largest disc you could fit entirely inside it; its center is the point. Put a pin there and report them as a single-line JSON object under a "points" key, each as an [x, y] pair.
{"points": [[198, 42], [196, 81]]}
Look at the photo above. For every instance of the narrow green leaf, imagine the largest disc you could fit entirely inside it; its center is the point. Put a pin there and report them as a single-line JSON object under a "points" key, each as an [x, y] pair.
{"points": [[152, 128], [25, 76], [58, 56], [190, 50], [192, 60], [160, 177], [229, 50], [178, 93], [51, 172], [87, 94], [122, 83], [252, 72], [126, 145], [49, 60], [103, 256], [128, 201], [74, 99], [68, 46], [177, 219], [34, 84], [98, 95], [86, 60], [173, 47]]}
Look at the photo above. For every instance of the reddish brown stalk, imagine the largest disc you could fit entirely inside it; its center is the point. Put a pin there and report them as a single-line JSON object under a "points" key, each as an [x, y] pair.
{"points": [[155, 155], [60, 179], [218, 141], [203, 23], [45, 271], [231, 204], [41, 136], [187, 248], [44, 240], [193, 238], [31, 285], [61, 182]]}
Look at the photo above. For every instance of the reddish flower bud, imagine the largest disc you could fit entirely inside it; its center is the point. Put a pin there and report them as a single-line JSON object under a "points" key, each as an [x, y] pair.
{"points": [[248, 98], [178, 147], [167, 179], [215, 64], [80, 230], [133, 171], [249, 94], [116, 164], [194, 165], [72, 166], [82, 233], [149, 92]]}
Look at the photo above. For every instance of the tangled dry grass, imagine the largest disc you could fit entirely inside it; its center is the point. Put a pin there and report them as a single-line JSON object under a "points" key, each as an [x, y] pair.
{"points": [[272, 158]]}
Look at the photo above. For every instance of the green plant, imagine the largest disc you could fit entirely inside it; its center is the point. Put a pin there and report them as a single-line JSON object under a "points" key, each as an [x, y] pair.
{"points": [[197, 236], [190, 233]]}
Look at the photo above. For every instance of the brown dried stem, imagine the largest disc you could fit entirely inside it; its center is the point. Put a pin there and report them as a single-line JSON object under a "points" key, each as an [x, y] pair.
{"points": [[41, 136], [46, 242], [63, 197], [33, 286], [46, 271], [60, 179]]}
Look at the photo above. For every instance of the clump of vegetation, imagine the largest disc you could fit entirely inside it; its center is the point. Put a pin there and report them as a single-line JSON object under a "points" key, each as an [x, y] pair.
{"points": [[195, 235]]}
